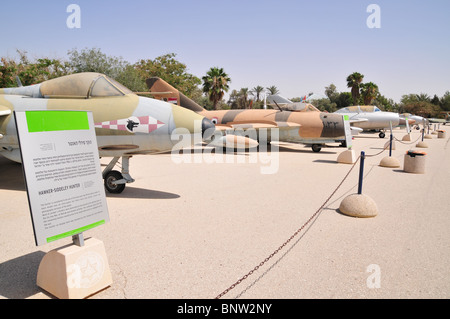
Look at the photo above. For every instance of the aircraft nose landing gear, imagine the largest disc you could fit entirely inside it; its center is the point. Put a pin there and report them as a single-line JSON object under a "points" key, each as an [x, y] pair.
{"points": [[316, 148], [114, 180]]}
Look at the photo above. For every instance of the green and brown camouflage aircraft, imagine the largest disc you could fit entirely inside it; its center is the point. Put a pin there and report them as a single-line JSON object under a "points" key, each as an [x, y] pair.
{"points": [[307, 126]]}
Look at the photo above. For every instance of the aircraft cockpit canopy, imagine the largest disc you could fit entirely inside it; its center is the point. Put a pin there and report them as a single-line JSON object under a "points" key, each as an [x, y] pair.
{"points": [[299, 107], [359, 109], [82, 85]]}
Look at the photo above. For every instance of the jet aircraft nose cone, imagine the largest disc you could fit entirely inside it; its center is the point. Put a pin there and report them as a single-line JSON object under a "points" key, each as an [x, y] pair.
{"points": [[208, 128]]}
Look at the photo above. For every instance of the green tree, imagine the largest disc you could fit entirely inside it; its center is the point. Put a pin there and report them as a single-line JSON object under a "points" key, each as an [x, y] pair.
{"points": [[324, 105], [130, 78], [435, 100], [385, 104], [30, 72], [94, 60], [422, 108], [215, 84], [369, 91], [344, 99], [256, 91], [243, 101], [423, 97], [331, 92], [445, 101], [272, 90], [170, 70], [354, 81]]}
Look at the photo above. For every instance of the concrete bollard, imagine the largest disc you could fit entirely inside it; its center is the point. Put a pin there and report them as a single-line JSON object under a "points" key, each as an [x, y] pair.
{"points": [[407, 138], [414, 162], [347, 157], [359, 205], [389, 161], [422, 144]]}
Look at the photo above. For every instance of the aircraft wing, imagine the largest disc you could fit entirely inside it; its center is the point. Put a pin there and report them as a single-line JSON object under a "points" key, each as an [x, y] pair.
{"points": [[353, 121]]}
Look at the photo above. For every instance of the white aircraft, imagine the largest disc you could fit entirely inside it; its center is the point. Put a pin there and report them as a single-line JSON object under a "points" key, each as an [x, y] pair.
{"points": [[370, 117], [419, 120]]}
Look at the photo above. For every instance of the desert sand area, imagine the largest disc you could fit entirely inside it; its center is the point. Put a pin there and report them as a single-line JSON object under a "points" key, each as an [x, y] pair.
{"points": [[193, 225]]}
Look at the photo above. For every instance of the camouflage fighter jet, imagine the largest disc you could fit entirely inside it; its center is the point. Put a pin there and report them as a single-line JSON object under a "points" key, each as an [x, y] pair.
{"points": [[125, 124], [300, 126]]}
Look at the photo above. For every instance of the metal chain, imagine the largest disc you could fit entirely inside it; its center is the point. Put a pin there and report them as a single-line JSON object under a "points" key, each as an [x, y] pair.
{"points": [[407, 143], [290, 238], [303, 226], [385, 148]]}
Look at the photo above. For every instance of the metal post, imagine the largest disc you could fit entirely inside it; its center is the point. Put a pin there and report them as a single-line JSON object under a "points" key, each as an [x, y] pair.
{"points": [[78, 239], [391, 139], [390, 146], [361, 172]]}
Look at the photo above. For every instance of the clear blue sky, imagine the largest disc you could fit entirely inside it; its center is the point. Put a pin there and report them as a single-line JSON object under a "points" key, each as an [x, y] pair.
{"points": [[298, 46]]}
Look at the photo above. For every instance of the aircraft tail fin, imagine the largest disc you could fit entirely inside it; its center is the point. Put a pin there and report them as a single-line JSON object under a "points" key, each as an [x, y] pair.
{"points": [[19, 83], [161, 90]]}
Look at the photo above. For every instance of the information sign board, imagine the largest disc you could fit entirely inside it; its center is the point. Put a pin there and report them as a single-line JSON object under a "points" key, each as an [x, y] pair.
{"points": [[62, 173]]}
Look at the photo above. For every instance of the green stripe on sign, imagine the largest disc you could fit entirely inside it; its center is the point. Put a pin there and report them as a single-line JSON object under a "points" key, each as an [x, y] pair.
{"points": [[49, 121], [75, 231]]}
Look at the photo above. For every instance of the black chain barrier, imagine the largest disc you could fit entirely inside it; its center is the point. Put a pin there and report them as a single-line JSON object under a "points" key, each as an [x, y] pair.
{"points": [[306, 223], [302, 227], [290, 238]]}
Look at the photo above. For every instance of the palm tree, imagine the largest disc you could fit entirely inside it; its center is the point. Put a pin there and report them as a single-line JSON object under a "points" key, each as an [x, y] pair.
{"points": [[354, 81], [257, 91], [423, 97], [215, 84], [272, 90], [369, 92], [243, 97]]}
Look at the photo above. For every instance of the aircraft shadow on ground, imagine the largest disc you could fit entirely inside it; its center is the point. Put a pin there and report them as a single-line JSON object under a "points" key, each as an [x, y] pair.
{"points": [[136, 192], [18, 279], [287, 149], [325, 161], [12, 179]]}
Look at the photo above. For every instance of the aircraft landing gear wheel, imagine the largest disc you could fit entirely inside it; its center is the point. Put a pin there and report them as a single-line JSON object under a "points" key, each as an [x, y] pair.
{"points": [[111, 177], [381, 135], [316, 148]]}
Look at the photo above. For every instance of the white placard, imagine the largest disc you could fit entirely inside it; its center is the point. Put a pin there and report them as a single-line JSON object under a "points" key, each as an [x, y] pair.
{"points": [[62, 173]]}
